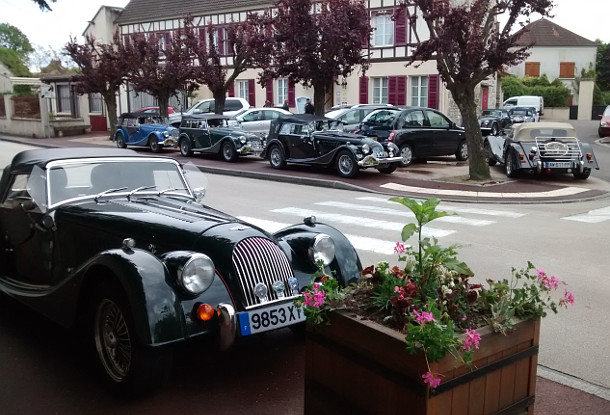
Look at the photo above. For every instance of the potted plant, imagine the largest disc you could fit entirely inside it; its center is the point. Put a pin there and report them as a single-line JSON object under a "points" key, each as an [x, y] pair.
{"points": [[423, 338]]}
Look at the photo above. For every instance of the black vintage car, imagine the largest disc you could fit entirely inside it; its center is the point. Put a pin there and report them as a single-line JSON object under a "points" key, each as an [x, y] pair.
{"points": [[212, 134], [492, 121], [418, 133], [316, 140], [120, 244], [541, 148]]}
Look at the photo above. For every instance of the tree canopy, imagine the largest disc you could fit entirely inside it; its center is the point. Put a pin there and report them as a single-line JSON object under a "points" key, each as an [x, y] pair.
{"points": [[13, 38], [469, 46], [103, 70], [43, 4], [316, 48], [248, 44]]}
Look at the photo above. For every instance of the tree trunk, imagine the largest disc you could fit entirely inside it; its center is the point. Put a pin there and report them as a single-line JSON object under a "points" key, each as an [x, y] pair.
{"points": [[110, 100], [319, 98], [163, 101], [220, 96], [464, 97]]}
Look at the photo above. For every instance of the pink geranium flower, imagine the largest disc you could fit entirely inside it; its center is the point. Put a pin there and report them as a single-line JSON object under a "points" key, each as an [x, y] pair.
{"points": [[400, 248], [315, 298], [568, 298], [472, 339], [431, 380], [423, 317]]}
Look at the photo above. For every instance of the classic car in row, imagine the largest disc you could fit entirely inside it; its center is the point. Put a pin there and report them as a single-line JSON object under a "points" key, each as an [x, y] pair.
{"points": [[145, 129], [523, 114], [317, 140], [418, 133], [120, 244], [492, 121], [212, 134], [542, 147]]}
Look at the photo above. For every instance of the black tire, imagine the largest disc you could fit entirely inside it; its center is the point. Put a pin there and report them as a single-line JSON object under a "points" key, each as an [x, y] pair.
{"points": [[582, 176], [491, 161], [185, 147], [126, 366], [462, 151], [511, 171], [153, 144], [120, 140], [228, 152], [277, 160], [406, 152], [346, 165], [389, 169]]}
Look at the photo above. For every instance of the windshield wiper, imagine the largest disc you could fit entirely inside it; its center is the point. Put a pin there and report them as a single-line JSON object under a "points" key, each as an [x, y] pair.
{"points": [[105, 192], [139, 189], [180, 195], [171, 189]]}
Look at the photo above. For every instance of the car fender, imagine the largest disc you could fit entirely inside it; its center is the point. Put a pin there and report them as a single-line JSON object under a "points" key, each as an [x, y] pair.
{"points": [[160, 315], [265, 153], [295, 240], [518, 149]]}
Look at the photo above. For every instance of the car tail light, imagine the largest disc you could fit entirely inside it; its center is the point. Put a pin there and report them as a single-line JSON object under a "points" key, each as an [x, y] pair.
{"points": [[391, 137], [205, 312], [532, 156], [522, 157], [589, 156]]}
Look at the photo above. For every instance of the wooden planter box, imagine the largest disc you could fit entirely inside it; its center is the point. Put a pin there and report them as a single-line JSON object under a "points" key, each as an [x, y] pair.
{"points": [[356, 366]]}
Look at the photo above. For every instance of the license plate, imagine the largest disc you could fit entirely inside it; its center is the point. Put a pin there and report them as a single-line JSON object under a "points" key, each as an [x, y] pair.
{"points": [[558, 164], [269, 318]]}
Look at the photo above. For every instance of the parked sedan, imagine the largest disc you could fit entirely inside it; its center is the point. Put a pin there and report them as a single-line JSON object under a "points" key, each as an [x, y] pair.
{"points": [[604, 124], [258, 120], [121, 245], [212, 134], [542, 147], [352, 116], [523, 114], [492, 121], [310, 139], [418, 133], [145, 129]]}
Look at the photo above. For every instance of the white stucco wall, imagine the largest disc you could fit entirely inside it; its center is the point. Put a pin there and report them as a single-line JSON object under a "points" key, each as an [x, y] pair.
{"points": [[5, 81]]}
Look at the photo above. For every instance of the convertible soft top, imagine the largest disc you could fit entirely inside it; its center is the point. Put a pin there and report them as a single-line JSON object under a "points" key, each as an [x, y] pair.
{"points": [[529, 131], [24, 161]]}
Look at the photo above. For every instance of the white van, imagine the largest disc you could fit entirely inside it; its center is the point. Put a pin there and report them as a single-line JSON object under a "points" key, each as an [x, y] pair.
{"points": [[525, 101]]}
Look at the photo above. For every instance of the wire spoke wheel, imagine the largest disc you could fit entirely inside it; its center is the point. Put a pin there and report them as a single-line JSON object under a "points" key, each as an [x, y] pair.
{"points": [[113, 340]]}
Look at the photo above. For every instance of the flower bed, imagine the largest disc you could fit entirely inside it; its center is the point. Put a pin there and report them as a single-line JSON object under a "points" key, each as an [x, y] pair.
{"points": [[424, 335]]}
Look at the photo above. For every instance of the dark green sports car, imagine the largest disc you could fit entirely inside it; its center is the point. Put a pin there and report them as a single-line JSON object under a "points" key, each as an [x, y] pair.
{"points": [[121, 243], [212, 134]]}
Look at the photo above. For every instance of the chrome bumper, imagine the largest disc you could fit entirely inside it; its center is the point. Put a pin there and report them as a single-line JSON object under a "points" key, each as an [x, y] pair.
{"points": [[372, 161], [170, 142]]}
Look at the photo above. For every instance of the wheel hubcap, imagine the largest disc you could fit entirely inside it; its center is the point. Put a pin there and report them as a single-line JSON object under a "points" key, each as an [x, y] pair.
{"points": [[406, 155], [275, 157], [346, 165], [112, 340]]}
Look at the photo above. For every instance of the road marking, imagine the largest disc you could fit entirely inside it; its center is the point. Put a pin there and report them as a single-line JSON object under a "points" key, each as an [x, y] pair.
{"points": [[359, 221], [567, 191], [443, 206], [403, 213], [592, 216], [361, 243]]}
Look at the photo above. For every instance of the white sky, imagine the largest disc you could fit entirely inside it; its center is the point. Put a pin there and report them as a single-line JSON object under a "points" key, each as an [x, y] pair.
{"points": [[587, 18]]}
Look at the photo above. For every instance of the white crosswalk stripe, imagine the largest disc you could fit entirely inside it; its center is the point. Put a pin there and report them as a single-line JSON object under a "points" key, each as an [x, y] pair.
{"points": [[357, 220], [402, 213], [450, 208], [361, 243], [592, 216]]}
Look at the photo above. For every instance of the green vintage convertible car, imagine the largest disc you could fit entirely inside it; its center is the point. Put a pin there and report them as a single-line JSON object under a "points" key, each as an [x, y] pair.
{"points": [[212, 134], [120, 244]]}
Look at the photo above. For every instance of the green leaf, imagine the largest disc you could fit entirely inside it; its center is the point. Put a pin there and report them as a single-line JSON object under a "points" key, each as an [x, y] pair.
{"points": [[455, 265], [408, 230]]}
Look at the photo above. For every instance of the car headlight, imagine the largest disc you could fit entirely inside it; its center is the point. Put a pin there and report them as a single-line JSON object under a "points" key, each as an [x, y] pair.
{"points": [[604, 124], [484, 123], [322, 249], [197, 274], [165, 133], [365, 148], [243, 139]]}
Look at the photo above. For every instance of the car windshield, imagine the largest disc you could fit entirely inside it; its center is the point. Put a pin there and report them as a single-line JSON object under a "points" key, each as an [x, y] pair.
{"points": [[491, 113], [607, 111], [336, 113], [71, 179], [519, 112], [382, 118]]}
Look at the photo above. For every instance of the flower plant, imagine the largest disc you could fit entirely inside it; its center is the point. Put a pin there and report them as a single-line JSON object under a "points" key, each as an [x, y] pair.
{"points": [[431, 298]]}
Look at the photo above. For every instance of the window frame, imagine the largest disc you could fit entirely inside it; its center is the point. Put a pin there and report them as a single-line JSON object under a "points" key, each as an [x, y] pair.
{"points": [[384, 29], [380, 89], [419, 92]]}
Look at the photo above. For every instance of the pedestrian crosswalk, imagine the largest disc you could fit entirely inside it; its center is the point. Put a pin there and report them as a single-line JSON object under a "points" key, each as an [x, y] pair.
{"points": [[592, 216], [370, 216]]}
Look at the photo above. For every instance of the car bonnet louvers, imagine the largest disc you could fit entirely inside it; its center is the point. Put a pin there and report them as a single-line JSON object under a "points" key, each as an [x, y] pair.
{"points": [[259, 260]]}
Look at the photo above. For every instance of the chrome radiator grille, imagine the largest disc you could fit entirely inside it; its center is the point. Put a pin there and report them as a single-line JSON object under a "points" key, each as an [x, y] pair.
{"points": [[260, 260]]}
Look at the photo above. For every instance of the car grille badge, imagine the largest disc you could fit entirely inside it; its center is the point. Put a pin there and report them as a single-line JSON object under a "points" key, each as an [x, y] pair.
{"points": [[278, 287], [260, 290]]}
